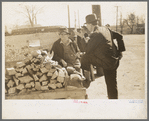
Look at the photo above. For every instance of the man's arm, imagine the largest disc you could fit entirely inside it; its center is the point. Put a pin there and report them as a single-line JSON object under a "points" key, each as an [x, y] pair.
{"points": [[120, 42], [55, 57]]}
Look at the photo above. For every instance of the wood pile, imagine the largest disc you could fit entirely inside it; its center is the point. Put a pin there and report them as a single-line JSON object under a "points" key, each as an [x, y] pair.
{"points": [[34, 74]]}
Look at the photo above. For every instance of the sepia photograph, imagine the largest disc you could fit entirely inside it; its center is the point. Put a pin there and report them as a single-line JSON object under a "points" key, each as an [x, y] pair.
{"points": [[74, 60]]}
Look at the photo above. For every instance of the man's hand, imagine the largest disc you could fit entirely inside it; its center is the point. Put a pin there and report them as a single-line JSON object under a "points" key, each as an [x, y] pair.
{"points": [[120, 55], [64, 63]]}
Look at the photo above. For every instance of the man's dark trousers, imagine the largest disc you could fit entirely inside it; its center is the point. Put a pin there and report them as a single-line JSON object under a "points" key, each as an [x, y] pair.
{"points": [[110, 75]]}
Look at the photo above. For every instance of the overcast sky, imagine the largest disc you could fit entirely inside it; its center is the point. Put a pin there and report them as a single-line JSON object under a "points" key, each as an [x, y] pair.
{"points": [[56, 13]]}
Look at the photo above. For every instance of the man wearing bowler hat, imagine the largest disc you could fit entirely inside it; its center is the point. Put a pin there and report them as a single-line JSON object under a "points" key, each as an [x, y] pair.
{"points": [[101, 51]]}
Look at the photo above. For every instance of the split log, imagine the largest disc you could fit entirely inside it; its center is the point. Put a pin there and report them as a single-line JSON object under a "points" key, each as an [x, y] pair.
{"points": [[44, 70], [24, 71], [23, 91], [53, 81], [5, 91], [20, 64], [54, 75], [37, 85], [33, 60], [16, 80], [59, 85], [36, 61], [35, 77], [32, 84], [49, 74], [39, 74], [48, 65], [33, 89], [27, 61], [17, 75], [52, 70], [61, 73], [28, 85], [53, 86], [60, 79], [11, 71], [43, 78], [10, 83], [39, 56], [44, 83], [20, 87], [28, 67], [44, 88], [12, 90], [19, 70], [25, 79]]}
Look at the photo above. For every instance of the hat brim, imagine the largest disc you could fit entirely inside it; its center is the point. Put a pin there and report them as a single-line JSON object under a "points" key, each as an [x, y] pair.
{"points": [[91, 22]]}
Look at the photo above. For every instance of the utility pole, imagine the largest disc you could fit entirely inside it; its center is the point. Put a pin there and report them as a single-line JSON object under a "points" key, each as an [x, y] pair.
{"points": [[116, 17], [78, 19], [75, 25], [68, 17]]}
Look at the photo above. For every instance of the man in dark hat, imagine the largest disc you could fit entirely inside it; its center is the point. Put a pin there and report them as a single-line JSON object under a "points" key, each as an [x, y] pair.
{"points": [[66, 52], [101, 51]]}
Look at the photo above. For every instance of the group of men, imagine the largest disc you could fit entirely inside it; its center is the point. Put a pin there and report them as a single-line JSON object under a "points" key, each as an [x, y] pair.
{"points": [[94, 46]]}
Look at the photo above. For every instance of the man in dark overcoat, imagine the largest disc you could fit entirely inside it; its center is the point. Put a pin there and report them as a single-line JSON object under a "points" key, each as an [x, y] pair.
{"points": [[101, 51]]}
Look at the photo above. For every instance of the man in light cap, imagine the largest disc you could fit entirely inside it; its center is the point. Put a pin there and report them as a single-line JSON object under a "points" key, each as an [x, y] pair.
{"points": [[66, 52], [101, 51]]}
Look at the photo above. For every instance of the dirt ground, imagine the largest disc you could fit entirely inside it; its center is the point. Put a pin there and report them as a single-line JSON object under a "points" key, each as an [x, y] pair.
{"points": [[130, 74]]}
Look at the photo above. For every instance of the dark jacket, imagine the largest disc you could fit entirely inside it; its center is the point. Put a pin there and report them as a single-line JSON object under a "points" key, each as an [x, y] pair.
{"points": [[59, 51], [81, 44], [101, 45]]}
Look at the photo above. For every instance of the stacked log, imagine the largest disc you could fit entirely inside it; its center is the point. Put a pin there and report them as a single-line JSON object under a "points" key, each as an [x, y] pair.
{"points": [[34, 74]]}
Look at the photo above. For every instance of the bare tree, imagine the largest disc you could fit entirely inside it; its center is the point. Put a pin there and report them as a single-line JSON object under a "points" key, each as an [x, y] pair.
{"points": [[130, 21], [30, 12]]}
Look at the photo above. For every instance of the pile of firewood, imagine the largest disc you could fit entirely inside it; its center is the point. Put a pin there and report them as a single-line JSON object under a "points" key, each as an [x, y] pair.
{"points": [[38, 72], [34, 73]]}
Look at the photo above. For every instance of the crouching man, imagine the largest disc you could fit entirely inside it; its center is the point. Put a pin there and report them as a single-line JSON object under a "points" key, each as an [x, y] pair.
{"points": [[102, 52]]}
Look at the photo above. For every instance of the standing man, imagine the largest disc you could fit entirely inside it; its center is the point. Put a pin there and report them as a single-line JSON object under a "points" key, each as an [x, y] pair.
{"points": [[101, 51]]}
